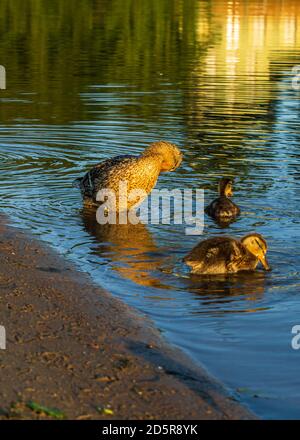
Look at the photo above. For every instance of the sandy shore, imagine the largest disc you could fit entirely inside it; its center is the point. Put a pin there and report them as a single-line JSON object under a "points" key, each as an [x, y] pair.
{"points": [[73, 347]]}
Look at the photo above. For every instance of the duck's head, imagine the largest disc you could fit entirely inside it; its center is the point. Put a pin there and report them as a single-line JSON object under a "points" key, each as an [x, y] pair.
{"points": [[225, 187], [168, 154], [257, 245]]}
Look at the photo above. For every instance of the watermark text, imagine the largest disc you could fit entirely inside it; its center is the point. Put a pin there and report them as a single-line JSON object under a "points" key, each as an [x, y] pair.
{"points": [[2, 338], [162, 206], [296, 77], [2, 78]]}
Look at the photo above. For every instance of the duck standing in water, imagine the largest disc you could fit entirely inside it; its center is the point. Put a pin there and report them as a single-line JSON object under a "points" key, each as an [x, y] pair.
{"points": [[223, 255], [138, 172], [223, 209]]}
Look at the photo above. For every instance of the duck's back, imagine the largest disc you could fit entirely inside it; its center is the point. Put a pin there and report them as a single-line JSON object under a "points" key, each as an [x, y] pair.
{"points": [[137, 172], [100, 176], [215, 255], [222, 208]]}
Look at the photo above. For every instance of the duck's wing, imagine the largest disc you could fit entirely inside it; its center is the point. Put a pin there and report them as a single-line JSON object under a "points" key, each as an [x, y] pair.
{"points": [[222, 208], [238, 257], [213, 207], [232, 207], [98, 176], [224, 257], [211, 252], [210, 256], [109, 163]]}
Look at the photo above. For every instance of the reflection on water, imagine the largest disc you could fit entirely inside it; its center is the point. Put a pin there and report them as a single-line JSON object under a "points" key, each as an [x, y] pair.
{"points": [[88, 80], [224, 288], [129, 248]]}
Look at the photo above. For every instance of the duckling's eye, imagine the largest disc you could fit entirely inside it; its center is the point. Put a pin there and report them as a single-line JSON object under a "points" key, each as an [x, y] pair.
{"points": [[257, 242]]}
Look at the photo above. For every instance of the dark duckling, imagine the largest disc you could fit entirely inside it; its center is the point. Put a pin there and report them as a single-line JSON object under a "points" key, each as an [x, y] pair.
{"points": [[139, 173], [223, 209], [223, 255]]}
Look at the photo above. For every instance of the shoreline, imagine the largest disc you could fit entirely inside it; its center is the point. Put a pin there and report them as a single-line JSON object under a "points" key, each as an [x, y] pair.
{"points": [[74, 347]]}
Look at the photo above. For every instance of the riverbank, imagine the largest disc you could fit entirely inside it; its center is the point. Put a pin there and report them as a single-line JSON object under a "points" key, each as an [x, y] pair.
{"points": [[74, 348]]}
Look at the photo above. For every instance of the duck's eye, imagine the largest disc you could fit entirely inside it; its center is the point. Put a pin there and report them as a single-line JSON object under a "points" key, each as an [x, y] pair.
{"points": [[257, 242]]}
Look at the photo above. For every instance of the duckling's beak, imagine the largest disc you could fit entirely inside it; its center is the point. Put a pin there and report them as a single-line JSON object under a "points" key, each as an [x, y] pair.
{"points": [[265, 263], [178, 162]]}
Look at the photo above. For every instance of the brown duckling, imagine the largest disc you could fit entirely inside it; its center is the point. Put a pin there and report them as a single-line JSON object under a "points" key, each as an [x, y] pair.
{"points": [[139, 173], [223, 209], [221, 255]]}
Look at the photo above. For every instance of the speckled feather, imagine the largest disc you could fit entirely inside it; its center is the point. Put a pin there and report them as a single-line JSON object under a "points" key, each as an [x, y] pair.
{"points": [[139, 172], [222, 208], [219, 255]]}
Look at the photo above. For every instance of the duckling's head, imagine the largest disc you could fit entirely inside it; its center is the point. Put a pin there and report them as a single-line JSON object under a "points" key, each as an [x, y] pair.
{"points": [[225, 187], [257, 246], [169, 155]]}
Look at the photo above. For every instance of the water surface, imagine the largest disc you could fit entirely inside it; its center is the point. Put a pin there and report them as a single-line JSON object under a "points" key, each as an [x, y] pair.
{"points": [[92, 79]]}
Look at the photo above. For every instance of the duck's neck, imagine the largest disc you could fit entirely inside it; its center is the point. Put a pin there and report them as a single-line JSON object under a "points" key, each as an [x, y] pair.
{"points": [[222, 193], [156, 160]]}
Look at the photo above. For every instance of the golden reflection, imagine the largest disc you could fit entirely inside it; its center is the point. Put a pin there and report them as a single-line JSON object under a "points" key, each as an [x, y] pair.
{"points": [[130, 248], [288, 25], [235, 75], [252, 34], [232, 29], [224, 289]]}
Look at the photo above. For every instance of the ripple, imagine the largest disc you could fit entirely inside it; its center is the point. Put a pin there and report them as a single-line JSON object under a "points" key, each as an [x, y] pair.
{"points": [[233, 112]]}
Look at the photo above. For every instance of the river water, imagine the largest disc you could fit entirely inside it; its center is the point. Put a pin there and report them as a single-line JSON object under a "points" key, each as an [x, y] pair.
{"points": [[92, 79]]}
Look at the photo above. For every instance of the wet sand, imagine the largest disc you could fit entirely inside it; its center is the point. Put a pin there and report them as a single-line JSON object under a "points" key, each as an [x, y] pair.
{"points": [[74, 347]]}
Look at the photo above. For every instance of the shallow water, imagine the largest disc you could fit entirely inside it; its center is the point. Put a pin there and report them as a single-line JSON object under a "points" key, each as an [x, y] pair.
{"points": [[92, 80]]}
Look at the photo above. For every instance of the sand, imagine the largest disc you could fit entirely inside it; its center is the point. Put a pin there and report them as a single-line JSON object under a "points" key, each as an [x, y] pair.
{"points": [[73, 347]]}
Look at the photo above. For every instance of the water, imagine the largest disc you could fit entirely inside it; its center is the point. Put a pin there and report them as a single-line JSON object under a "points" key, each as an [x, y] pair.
{"points": [[92, 79]]}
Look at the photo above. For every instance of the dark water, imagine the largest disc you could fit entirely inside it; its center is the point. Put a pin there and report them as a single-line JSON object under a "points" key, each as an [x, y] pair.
{"points": [[87, 80]]}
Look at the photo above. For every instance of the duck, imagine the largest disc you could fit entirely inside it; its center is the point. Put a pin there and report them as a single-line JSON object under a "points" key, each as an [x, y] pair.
{"points": [[226, 255], [223, 209], [138, 172]]}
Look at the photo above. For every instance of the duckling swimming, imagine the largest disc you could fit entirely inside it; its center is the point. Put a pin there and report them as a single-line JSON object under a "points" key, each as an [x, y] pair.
{"points": [[139, 173], [223, 209], [221, 255]]}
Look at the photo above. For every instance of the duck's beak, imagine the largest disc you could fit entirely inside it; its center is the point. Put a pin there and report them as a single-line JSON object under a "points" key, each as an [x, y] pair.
{"points": [[177, 164], [228, 192], [265, 263]]}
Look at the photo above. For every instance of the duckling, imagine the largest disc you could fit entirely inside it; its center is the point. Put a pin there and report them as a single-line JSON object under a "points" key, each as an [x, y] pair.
{"points": [[221, 255], [139, 173], [223, 209]]}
